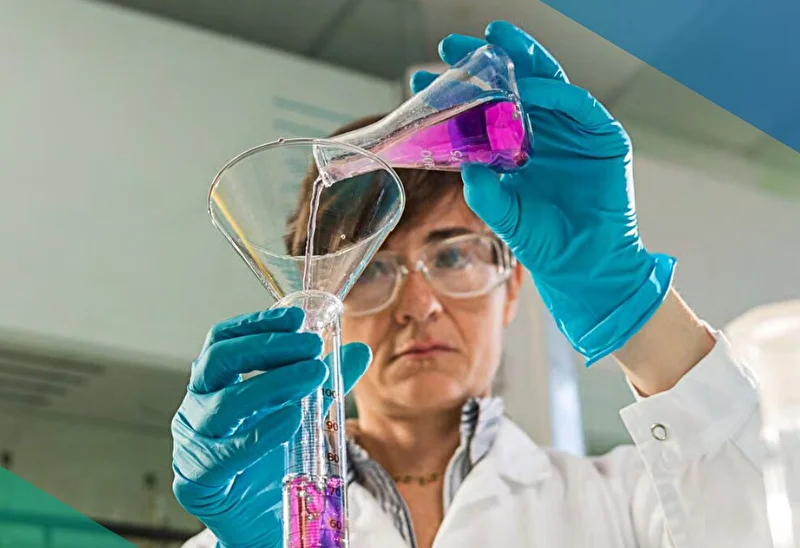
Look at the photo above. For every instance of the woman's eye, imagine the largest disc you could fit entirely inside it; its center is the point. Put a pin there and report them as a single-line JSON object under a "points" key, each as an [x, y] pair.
{"points": [[376, 270], [452, 257]]}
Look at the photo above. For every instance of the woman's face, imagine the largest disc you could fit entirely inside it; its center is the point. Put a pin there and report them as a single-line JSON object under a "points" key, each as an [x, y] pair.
{"points": [[432, 352]]}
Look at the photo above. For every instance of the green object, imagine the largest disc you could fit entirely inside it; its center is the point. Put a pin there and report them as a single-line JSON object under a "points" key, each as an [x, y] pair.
{"points": [[30, 518]]}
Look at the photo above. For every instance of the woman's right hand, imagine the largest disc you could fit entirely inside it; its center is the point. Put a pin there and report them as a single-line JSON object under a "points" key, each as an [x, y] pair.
{"points": [[227, 456]]}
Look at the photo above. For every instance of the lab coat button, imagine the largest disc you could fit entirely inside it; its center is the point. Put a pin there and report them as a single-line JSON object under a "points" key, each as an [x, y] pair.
{"points": [[659, 432]]}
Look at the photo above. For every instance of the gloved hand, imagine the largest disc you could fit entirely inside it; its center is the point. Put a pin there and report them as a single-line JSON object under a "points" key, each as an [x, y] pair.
{"points": [[569, 215], [227, 456]]}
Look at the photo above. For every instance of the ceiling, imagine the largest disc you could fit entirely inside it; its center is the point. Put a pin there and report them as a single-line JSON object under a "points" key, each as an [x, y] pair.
{"points": [[385, 37]]}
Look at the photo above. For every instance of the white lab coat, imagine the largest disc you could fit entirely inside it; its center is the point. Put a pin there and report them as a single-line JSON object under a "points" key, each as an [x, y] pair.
{"points": [[691, 480]]}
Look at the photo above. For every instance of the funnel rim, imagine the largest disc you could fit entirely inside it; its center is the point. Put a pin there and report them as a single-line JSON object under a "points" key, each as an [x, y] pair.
{"points": [[311, 141]]}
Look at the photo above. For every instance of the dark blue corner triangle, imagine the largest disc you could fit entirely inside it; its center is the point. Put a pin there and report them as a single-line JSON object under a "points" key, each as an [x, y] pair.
{"points": [[743, 55]]}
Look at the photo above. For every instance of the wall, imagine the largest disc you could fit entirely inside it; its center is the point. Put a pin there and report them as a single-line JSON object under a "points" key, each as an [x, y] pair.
{"points": [[736, 243], [112, 126], [525, 371]]}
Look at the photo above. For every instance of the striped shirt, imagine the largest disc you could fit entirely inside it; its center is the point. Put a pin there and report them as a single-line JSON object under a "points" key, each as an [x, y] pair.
{"points": [[480, 423]]}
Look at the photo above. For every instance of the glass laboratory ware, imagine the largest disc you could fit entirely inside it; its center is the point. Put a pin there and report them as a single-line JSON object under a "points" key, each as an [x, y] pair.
{"points": [[259, 202], [470, 113], [767, 340]]}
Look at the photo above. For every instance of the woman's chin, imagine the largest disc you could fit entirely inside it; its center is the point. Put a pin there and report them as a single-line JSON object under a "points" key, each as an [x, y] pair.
{"points": [[431, 390]]}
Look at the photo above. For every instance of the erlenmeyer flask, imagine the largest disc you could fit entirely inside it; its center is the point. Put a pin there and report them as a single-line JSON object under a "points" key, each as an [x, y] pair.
{"points": [[260, 202], [470, 113]]}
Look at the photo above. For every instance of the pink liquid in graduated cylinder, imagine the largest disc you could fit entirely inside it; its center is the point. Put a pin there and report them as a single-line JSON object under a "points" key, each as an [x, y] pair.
{"points": [[315, 512], [492, 133]]}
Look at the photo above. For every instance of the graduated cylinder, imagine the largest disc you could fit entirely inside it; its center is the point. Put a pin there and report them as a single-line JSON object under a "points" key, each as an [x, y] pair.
{"points": [[314, 483]]}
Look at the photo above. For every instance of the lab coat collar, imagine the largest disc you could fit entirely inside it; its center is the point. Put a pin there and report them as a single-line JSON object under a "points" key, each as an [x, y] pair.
{"points": [[513, 461], [516, 458]]}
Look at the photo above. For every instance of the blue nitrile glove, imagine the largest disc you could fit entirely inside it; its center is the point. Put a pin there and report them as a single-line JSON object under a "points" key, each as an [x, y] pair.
{"points": [[227, 455], [569, 216]]}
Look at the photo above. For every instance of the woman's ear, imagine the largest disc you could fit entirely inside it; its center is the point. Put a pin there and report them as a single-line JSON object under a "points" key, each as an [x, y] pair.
{"points": [[513, 287]]}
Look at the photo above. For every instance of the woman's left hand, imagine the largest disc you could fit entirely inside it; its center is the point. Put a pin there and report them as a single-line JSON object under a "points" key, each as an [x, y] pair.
{"points": [[569, 215]]}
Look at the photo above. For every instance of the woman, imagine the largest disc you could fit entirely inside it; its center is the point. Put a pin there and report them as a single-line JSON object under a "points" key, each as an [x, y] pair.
{"points": [[434, 461]]}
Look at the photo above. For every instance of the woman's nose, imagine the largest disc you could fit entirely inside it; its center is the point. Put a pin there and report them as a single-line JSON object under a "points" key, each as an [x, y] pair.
{"points": [[417, 300]]}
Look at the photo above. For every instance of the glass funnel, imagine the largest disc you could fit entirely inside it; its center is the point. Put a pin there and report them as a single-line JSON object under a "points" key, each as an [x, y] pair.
{"points": [[260, 202], [470, 113]]}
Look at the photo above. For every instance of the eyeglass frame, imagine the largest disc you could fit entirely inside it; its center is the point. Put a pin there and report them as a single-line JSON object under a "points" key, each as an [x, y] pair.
{"points": [[507, 264]]}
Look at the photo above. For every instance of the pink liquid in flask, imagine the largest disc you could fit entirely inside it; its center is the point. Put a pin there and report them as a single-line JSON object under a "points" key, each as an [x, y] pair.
{"points": [[492, 132]]}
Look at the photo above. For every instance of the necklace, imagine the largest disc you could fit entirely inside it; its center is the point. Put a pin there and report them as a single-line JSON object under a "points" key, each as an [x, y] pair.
{"points": [[420, 480]]}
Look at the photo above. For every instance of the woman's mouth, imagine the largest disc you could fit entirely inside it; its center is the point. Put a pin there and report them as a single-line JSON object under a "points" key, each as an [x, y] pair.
{"points": [[423, 350]]}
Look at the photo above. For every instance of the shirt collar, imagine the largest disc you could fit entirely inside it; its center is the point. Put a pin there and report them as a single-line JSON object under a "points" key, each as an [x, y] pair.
{"points": [[481, 419]]}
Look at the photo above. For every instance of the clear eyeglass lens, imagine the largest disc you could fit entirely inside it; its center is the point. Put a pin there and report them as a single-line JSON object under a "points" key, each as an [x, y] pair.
{"points": [[462, 266], [376, 284]]}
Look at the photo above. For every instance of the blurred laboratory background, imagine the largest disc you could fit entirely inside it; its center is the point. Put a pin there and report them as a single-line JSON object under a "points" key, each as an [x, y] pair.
{"points": [[114, 118]]}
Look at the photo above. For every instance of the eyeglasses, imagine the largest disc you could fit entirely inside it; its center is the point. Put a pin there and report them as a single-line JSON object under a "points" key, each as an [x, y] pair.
{"points": [[460, 267]]}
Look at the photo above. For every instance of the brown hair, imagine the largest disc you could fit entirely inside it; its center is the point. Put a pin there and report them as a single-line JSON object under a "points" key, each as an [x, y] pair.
{"points": [[423, 189]]}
